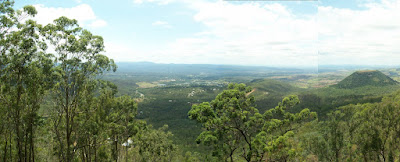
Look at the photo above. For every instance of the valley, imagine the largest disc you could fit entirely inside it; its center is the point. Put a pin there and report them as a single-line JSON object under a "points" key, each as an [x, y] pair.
{"points": [[199, 81], [173, 92]]}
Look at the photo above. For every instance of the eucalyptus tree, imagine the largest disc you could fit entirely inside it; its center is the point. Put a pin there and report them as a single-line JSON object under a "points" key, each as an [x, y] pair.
{"points": [[230, 122], [276, 141], [6, 23], [377, 134], [94, 121], [79, 62], [235, 129], [121, 124], [154, 144], [362, 132], [23, 77]]}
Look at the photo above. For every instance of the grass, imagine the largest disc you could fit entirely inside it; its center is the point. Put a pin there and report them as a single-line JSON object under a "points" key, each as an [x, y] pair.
{"points": [[146, 85]]}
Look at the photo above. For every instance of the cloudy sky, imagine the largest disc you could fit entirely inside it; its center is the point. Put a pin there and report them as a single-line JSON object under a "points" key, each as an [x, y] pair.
{"points": [[268, 33]]}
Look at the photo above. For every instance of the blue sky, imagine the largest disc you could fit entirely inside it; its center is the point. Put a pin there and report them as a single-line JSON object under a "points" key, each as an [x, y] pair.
{"points": [[269, 33]]}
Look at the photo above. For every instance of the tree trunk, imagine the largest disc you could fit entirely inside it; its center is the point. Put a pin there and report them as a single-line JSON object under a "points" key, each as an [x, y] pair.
{"points": [[116, 148], [95, 150], [5, 150], [17, 122], [68, 137], [25, 146], [19, 143], [67, 117], [10, 148], [126, 153], [89, 150], [32, 144]]}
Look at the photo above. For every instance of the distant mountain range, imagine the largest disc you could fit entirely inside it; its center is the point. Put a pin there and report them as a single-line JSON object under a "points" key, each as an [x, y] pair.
{"points": [[196, 69], [212, 70]]}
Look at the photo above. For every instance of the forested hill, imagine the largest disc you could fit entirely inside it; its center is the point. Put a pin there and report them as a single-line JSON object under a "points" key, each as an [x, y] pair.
{"points": [[365, 78], [269, 85]]}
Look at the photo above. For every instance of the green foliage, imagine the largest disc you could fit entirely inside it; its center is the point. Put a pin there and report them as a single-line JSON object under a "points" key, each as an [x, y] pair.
{"points": [[280, 126], [85, 121], [155, 144], [272, 86], [233, 127], [227, 121], [24, 66], [169, 105], [55, 107], [362, 132], [78, 63], [269, 92]]}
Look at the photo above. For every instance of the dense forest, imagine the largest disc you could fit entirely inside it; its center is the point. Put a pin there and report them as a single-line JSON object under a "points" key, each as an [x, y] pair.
{"points": [[59, 102]]}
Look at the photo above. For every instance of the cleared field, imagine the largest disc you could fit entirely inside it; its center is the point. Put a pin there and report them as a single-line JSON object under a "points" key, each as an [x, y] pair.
{"points": [[146, 85]]}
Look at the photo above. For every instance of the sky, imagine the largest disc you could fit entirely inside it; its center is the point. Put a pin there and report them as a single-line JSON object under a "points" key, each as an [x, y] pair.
{"points": [[259, 33]]}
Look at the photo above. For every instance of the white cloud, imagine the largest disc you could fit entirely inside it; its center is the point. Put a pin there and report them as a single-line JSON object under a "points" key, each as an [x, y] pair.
{"points": [[138, 1], [83, 13], [367, 36], [98, 23], [247, 34], [159, 2], [271, 34], [163, 24], [123, 51]]}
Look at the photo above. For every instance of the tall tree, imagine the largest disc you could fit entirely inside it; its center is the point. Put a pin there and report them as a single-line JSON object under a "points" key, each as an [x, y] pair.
{"points": [[79, 62], [120, 123], [24, 65], [276, 140]]}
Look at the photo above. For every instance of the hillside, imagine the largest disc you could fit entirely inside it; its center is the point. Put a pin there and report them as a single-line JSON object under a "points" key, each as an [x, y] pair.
{"points": [[271, 86], [365, 78], [268, 92]]}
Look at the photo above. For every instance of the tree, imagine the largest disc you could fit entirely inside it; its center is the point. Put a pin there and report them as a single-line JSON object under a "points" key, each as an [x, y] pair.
{"points": [[378, 129], [233, 126], [79, 62], [154, 144], [85, 116], [279, 129], [24, 65], [120, 123], [362, 132], [230, 122]]}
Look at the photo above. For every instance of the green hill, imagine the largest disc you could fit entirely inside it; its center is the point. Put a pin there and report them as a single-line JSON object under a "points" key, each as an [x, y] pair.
{"points": [[365, 78], [269, 93], [271, 86]]}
